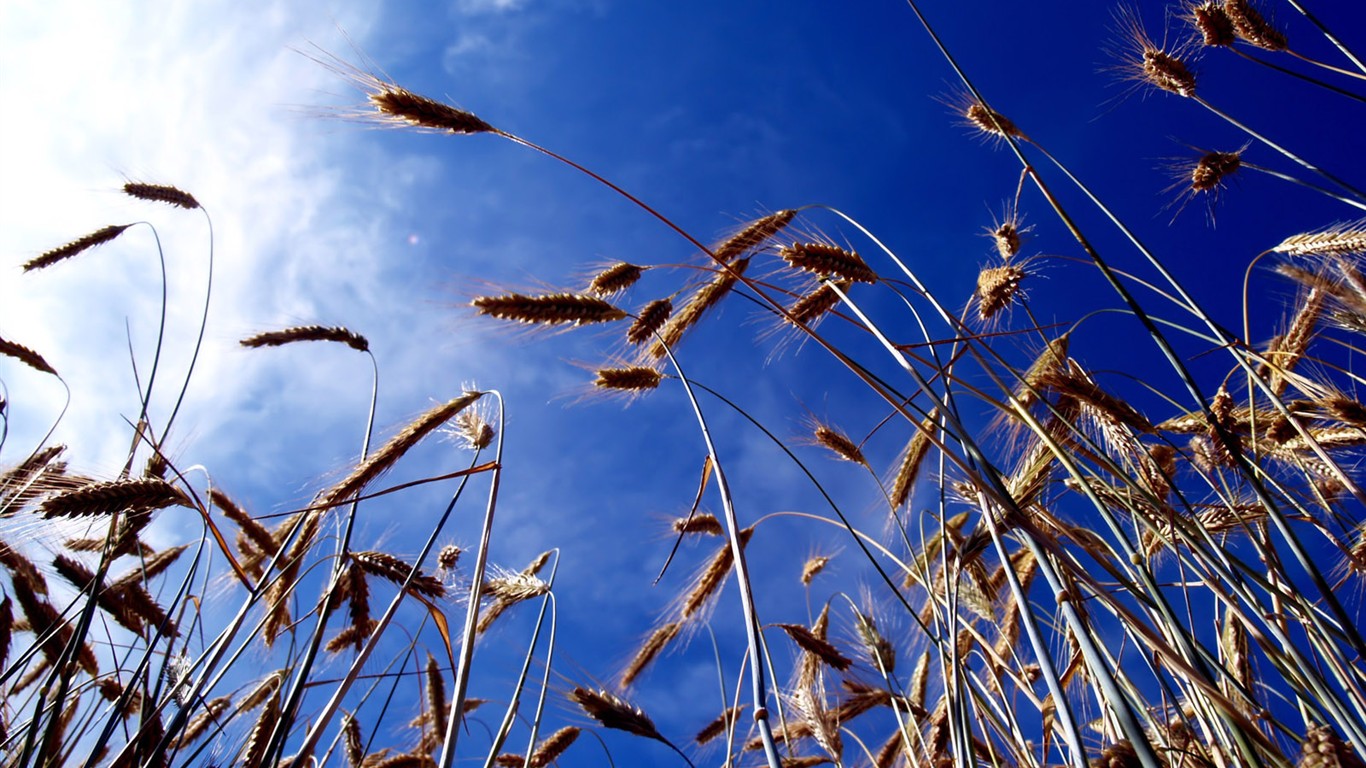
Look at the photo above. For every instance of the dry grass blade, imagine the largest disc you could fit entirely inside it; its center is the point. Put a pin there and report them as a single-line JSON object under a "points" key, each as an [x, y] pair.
{"points": [[161, 193], [26, 356], [308, 333], [6, 629], [548, 309], [384, 458], [649, 651], [61, 253], [106, 498], [613, 712]]}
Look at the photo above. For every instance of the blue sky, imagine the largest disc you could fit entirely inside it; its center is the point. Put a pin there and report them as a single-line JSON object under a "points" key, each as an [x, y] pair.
{"points": [[714, 112]]}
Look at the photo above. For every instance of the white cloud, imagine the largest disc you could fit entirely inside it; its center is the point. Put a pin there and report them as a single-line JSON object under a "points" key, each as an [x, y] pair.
{"points": [[472, 7], [201, 100]]}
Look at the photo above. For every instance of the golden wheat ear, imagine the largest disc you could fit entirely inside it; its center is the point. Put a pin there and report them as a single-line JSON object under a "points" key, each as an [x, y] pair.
{"points": [[26, 356], [549, 309], [615, 279], [753, 235], [64, 252], [1252, 27], [649, 651], [634, 378], [308, 333], [161, 193], [611, 711], [649, 320]]}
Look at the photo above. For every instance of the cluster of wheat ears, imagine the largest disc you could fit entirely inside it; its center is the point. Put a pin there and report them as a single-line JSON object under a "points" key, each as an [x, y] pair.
{"points": [[1109, 586]]}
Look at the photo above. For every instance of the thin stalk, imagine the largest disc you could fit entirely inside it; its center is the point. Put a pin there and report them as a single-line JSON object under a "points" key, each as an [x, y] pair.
{"points": [[462, 673]]}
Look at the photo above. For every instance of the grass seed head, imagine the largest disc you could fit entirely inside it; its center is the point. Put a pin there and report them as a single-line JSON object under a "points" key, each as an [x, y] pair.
{"points": [[828, 261], [703, 523], [105, 498], [1213, 169], [1339, 240], [997, 289], [549, 309], [388, 567], [613, 712], [908, 469], [380, 461], [1143, 61], [649, 651], [403, 107], [821, 649], [26, 356], [719, 725], [615, 279], [754, 235], [811, 308], [838, 443], [1213, 23], [308, 333], [635, 378], [991, 123], [650, 319], [472, 428], [1167, 72], [448, 557], [61, 253], [1252, 27], [554, 745], [703, 299], [813, 567], [161, 193]]}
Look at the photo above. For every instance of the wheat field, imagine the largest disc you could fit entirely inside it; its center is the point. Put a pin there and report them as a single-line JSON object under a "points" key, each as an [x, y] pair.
{"points": [[1085, 496]]}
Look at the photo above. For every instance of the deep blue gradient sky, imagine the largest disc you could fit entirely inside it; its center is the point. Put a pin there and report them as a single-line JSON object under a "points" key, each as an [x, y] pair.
{"points": [[714, 112]]}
